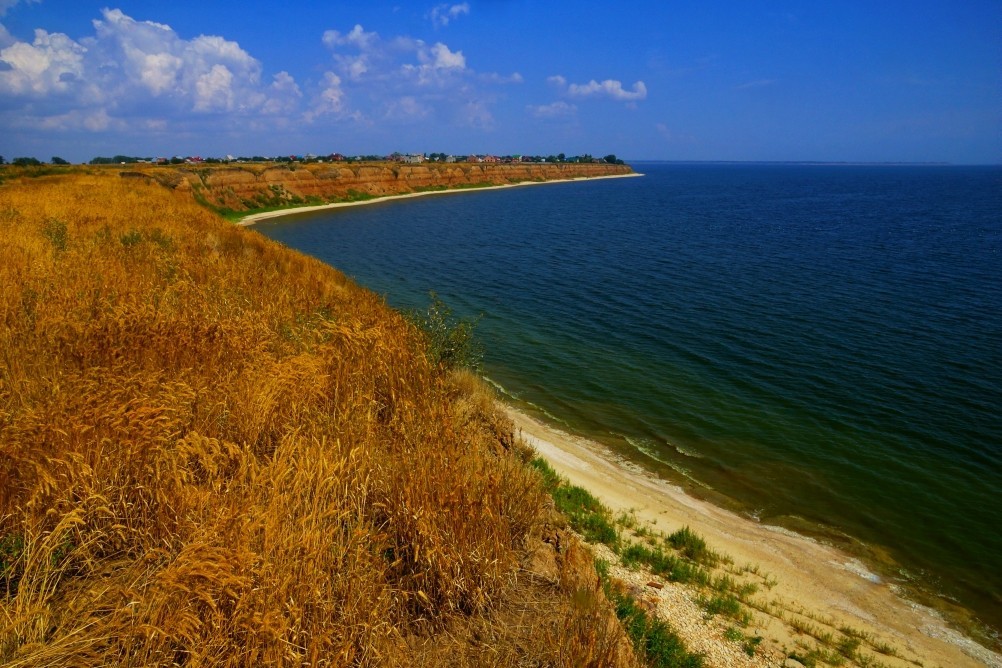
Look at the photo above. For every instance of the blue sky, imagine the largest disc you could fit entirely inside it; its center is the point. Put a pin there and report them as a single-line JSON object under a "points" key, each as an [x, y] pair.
{"points": [[846, 81]]}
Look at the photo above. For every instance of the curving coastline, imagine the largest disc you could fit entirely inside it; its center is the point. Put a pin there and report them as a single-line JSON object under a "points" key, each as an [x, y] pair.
{"points": [[810, 575], [265, 215], [813, 575]]}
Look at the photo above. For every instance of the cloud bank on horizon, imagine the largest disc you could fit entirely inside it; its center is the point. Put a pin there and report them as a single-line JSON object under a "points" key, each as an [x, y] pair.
{"points": [[498, 77]]}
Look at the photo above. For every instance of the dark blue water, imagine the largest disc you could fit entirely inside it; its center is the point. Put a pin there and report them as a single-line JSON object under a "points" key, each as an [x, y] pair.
{"points": [[820, 344]]}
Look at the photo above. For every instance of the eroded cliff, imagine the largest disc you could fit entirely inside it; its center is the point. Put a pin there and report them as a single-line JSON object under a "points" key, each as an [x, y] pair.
{"points": [[248, 187]]}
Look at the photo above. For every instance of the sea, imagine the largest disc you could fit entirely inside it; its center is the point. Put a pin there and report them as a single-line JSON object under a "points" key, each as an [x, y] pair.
{"points": [[815, 346]]}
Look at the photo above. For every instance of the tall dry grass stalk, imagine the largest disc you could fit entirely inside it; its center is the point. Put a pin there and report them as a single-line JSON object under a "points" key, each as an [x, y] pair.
{"points": [[215, 451]]}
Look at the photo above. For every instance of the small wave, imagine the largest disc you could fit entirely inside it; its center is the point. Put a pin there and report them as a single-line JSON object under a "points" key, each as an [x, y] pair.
{"points": [[649, 449], [550, 417], [501, 388], [685, 452], [516, 398], [856, 567]]}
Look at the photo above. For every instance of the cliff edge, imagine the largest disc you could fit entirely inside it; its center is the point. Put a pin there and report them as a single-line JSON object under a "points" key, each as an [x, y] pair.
{"points": [[249, 187]]}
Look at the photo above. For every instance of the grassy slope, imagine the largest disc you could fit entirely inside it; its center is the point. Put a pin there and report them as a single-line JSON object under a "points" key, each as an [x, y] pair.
{"points": [[214, 451]]}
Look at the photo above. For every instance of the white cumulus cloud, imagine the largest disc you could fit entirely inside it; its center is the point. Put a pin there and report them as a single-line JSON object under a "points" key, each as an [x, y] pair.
{"points": [[443, 58], [50, 64], [214, 90], [356, 37], [609, 88], [402, 78], [136, 71], [441, 15], [332, 95], [558, 109], [494, 77], [284, 95]]}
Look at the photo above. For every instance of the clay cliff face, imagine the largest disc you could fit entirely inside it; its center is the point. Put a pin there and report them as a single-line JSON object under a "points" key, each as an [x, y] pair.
{"points": [[247, 187]]}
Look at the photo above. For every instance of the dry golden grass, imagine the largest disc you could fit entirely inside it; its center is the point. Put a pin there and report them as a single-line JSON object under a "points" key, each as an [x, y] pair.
{"points": [[215, 451]]}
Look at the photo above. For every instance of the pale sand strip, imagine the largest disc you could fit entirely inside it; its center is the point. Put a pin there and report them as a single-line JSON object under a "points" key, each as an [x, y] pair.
{"points": [[811, 575], [255, 217]]}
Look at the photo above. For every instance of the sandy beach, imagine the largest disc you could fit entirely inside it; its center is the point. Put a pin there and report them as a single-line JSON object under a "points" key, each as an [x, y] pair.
{"points": [[811, 576], [265, 215]]}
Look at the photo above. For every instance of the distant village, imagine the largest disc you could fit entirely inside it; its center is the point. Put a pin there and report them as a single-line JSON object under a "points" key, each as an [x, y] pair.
{"points": [[409, 158]]}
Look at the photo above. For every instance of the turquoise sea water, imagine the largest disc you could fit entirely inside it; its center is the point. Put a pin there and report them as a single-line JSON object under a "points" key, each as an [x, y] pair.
{"points": [[820, 344]]}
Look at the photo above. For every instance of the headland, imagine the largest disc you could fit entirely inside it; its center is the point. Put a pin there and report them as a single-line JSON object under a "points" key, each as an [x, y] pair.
{"points": [[276, 213], [238, 191]]}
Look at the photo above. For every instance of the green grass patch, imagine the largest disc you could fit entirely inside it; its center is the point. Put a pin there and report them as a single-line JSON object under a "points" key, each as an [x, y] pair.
{"points": [[584, 512], [356, 196], [551, 479], [470, 186], [35, 171], [664, 564], [726, 605], [690, 544], [55, 231], [848, 646], [657, 643], [131, 238], [809, 659], [748, 643], [722, 604], [885, 648], [689, 565]]}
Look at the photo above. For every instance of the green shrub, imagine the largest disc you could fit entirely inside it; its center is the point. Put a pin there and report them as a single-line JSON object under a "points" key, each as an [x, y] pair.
{"points": [[848, 646], [726, 605], [690, 544], [663, 563], [55, 231], [596, 527], [551, 480], [751, 644], [450, 340], [131, 238], [584, 512]]}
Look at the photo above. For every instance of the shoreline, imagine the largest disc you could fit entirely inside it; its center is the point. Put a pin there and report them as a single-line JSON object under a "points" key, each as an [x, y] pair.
{"points": [[811, 575], [253, 218]]}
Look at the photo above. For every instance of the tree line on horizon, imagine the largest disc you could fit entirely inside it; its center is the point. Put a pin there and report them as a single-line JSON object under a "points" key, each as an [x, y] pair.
{"points": [[33, 162], [26, 161]]}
